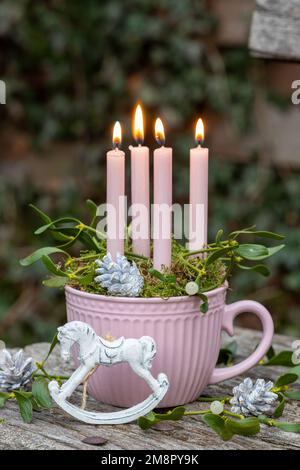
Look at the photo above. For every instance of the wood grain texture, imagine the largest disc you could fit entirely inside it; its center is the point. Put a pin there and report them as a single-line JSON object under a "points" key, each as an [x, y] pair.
{"points": [[54, 430], [275, 29]]}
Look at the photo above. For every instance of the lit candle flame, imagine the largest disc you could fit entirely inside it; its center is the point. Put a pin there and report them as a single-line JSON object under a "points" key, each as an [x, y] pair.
{"points": [[199, 132], [117, 135], [138, 128], [159, 132]]}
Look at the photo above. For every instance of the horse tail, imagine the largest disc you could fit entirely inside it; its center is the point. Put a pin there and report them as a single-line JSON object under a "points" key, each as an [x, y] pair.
{"points": [[149, 350]]}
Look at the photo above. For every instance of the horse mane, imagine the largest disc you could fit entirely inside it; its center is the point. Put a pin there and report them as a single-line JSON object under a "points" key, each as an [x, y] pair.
{"points": [[75, 327]]}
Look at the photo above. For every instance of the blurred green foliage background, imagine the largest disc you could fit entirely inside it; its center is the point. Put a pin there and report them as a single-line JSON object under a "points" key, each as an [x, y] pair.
{"points": [[72, 68]]}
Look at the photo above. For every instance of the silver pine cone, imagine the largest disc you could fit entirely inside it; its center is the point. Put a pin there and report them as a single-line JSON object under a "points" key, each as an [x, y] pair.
{"points": [[253, 399], [119, 277], [15, 370]]}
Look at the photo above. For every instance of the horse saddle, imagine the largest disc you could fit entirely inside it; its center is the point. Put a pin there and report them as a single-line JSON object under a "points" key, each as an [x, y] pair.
{"points": [[110, 348]]}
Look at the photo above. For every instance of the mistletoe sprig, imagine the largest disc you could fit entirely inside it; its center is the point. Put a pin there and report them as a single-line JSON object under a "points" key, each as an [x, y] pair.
{"points": [[227, 423], [191, 272], [35, 397]]}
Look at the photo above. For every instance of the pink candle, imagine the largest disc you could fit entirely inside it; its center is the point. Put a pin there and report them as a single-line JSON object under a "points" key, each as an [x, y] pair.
{"points": [[198, 192], [140, 192], [115, 196], [162, 209]]}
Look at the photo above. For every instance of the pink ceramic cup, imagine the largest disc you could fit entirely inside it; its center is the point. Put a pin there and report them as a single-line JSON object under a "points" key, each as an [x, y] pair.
{"points": [[188, 342]]}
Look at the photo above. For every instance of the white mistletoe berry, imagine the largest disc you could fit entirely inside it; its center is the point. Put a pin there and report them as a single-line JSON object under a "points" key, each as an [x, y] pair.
{"points": [[191, 288], [216, 407]]}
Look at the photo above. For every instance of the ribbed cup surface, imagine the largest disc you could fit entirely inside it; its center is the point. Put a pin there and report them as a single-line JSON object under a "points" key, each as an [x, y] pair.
{"points": [[188, 342]]}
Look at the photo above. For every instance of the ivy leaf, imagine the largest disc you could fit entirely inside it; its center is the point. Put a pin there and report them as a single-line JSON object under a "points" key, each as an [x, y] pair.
{"points": [[25, 406], [52, 346], [284, 358], [218, 425], [280, 408], [286, 379], [55, 281], [38, 254], [244, 427], [41, 393]]}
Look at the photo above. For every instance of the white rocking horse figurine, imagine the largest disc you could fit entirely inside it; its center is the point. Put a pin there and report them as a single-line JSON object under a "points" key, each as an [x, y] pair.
{"points": [[94, 351]]}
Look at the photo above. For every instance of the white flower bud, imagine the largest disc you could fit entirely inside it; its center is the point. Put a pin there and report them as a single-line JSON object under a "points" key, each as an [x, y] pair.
{"points": [[191, 288], [217, 407]]}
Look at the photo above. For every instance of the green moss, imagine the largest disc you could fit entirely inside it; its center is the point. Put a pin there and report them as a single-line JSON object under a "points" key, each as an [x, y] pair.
{"points": [[182, 270]]}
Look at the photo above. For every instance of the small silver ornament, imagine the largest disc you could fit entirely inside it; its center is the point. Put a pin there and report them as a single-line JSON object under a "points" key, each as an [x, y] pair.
{"points": [[15, 370], [253, 399], [119, 277]]}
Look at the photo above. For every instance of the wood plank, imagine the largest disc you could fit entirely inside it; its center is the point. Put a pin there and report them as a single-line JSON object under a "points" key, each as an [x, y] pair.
{"points": [[275, 29], [54, 430]]}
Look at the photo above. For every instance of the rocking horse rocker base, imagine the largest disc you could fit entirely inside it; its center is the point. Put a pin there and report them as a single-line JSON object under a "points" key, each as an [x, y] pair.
{"points": [[94, 351]]}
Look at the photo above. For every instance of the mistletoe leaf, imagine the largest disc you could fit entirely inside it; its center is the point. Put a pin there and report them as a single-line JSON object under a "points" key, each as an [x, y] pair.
{"points": [[41, 393], [284, 358], [3, 398], [217, 424], [25, 406], [243, 427], [38, 254], [293, 395], [52, 267], [287, 427], [55, 281], [251, 251], [286, 379], [280, 408], [54, 342], [258, 268], [42, 214]]}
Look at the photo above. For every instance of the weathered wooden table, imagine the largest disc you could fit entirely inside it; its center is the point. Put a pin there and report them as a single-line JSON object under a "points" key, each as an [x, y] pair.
{"points": [[54, 430]]}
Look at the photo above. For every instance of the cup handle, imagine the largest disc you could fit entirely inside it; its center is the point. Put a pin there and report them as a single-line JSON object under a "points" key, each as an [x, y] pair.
{"points": [[231, 311]]}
